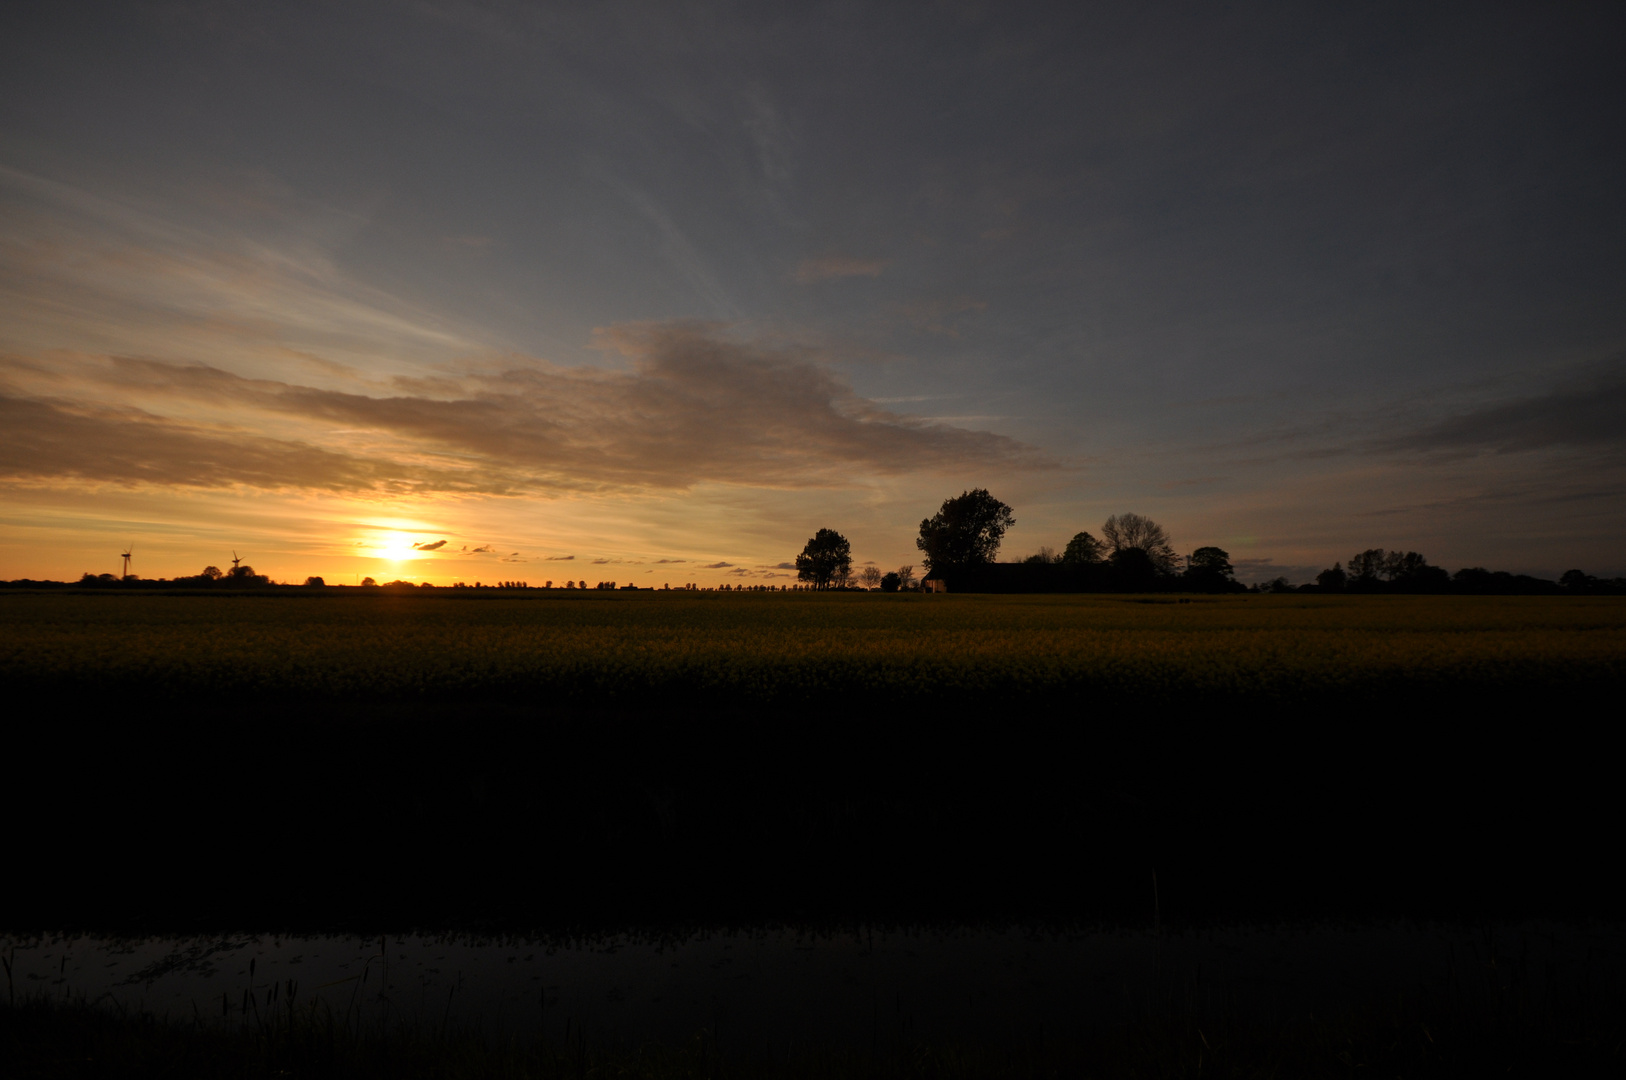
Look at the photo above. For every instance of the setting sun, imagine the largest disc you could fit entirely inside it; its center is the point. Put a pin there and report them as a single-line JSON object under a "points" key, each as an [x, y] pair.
{"points": [[399, 548], [395, 546]]}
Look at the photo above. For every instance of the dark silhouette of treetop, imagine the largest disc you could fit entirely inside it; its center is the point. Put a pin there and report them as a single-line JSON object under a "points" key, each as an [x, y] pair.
{"points": [[1332, 580], [1406, 571], [1132, 532], [1083, 550], [1366, 568], [965, 532], [826, 560], [1209, 568]]}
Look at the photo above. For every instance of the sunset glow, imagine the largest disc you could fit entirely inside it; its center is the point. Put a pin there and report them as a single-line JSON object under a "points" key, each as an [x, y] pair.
{"points": [[247, 301]]}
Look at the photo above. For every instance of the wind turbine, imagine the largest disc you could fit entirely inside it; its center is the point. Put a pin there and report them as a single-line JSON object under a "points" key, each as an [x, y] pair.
{"points": [[234, 561], [129, 549]]}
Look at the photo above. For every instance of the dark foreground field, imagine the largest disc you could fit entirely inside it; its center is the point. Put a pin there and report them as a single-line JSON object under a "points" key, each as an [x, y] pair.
{"points": [[559, 764], [556, 761], [1394, 1039]]}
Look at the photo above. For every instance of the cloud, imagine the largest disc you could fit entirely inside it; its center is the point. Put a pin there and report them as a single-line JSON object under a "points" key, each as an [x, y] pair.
{"points": [[716, 565], [695, 406], [58, 440], [780, 566], [484, 549], [827, 267], [659, 561], [560, 558], [436, 546], [770, 135], [600, 562], [1589, 415], [943, 318]]}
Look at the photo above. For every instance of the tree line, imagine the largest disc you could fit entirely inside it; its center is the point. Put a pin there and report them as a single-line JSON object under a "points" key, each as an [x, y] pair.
{"points": [[959, 543]]}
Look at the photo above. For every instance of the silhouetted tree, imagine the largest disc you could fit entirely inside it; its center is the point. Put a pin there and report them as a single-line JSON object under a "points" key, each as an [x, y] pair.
{"points": [[1209, 570], [1376, 570], [244, 575], [1366, 569], [1135, 569], [1582, 583], [870, 577], [889, 582], [1083, 550], [1398, 567], [906, 578], [1045, 556], [1332, 580], [212, 573], [826, 560], [368, 582], [966, 531], [315, 583], [1412, 573], [1400, 571], [1132, 531]]}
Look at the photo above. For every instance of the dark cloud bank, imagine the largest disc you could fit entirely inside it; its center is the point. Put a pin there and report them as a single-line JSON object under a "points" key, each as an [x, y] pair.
{"points": [[1585, 415], [695, 406]]}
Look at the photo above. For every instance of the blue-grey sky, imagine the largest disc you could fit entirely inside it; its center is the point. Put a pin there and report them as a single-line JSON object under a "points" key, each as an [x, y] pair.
{"points": [[686, 282]]}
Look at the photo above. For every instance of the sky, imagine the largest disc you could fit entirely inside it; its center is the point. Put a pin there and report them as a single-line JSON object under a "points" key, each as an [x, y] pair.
{"points": [[450, 292]]}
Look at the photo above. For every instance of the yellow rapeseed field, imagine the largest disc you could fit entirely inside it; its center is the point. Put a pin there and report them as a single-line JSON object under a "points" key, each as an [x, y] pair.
{"points": [[745, 647]]}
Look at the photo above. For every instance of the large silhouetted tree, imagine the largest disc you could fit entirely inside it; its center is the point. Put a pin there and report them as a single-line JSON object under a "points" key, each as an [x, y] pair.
{"points": [[1366, 568], [1125, 532], [1209, 569], [1332, 580], [965, 532], [827, 559], [1082, 550]]}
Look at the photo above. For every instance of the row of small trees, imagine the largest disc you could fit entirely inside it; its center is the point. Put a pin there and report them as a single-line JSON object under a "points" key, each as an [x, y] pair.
{"points": [[1376, 570], [211, 575], [960, 541], [965, 534]]}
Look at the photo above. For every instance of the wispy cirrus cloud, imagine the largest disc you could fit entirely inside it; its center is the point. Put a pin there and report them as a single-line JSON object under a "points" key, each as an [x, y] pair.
{"points": [[828, 267]]}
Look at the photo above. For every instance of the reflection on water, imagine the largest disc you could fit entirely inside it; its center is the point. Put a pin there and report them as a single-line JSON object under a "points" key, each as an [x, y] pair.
{"points": [[785, 988]]}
